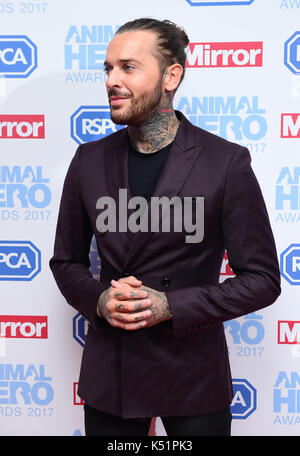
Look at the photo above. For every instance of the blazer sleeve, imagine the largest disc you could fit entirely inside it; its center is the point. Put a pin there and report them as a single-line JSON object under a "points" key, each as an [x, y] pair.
{"points": [[252, 256], [70, 262]]}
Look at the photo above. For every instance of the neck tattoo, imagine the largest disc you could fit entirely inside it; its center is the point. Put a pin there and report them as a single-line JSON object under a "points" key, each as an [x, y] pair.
{"points": [[157, 132]]}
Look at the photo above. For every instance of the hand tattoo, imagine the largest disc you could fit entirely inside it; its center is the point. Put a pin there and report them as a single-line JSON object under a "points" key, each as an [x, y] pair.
{"points": [[160, 308]]}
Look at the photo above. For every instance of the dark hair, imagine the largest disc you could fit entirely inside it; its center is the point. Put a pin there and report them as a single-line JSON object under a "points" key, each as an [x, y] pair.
{"points": [[172, 40]]}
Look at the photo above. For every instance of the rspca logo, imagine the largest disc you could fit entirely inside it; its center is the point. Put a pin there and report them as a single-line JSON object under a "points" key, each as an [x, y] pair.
{"points": [[80, 329], [290, 264], [19, 260], [233, 118], [244, 399], [292, 53], [18, 56], [218, 2], [90, 123]]}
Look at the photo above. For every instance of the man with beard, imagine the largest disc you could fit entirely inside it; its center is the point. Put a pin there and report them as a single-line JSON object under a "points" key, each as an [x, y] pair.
{"points": [[156, 344]]}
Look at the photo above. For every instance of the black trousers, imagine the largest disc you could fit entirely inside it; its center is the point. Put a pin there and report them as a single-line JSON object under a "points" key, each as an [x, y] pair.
{"points": [[98, 423]]}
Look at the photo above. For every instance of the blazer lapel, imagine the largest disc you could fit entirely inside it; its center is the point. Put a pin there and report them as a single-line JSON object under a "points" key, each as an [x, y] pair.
{"points": [[179, 164], [116, 174]]}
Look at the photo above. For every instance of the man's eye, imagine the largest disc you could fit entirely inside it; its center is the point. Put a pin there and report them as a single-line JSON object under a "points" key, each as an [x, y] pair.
{"points": [[129, 67], [107, 70]]}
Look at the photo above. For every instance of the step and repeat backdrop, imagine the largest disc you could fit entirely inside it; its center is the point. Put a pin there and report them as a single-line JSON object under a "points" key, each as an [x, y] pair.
{"points": [[242, 83]]}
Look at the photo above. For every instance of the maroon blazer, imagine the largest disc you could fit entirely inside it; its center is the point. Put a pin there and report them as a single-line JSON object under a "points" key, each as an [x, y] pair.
{"points": [[178, 367]]}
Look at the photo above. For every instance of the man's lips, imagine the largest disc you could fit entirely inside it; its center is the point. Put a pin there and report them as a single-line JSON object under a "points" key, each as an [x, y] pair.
{"points": [[116, 100]]}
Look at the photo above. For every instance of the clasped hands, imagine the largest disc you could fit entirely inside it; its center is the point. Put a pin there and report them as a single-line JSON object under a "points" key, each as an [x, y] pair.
{"points": [[129, 305]]}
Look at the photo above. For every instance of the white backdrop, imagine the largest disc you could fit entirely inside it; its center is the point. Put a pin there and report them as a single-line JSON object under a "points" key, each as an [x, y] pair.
{"points": [[241, 95]]}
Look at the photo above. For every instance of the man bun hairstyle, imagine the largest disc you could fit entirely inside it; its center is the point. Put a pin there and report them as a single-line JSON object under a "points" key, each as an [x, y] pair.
{"points": [[172, 40]]}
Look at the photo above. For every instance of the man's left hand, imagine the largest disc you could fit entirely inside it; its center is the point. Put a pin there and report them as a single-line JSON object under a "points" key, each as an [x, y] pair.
{"points": [[159, 306]]}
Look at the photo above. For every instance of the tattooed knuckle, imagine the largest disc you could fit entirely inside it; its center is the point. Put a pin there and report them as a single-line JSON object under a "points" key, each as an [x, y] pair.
{"points": [[110, 307], [110, 293]]}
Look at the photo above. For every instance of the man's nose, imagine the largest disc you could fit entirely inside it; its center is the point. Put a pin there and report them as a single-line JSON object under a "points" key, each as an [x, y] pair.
{"points": [[113, 79]]}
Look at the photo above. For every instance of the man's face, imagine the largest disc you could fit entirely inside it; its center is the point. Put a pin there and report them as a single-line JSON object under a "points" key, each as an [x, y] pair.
{"points": [[134, 79]]}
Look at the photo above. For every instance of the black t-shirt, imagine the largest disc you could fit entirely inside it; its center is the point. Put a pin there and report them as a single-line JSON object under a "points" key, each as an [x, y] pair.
{"points": [[144, 170]]}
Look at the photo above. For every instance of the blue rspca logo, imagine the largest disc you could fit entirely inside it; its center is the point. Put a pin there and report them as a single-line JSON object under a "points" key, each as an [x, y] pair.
{"points": [[219, 2], [292, 53], [80, 328], [18, 56], [244, 400], [19, 260], [290, 264], [90, 123]]}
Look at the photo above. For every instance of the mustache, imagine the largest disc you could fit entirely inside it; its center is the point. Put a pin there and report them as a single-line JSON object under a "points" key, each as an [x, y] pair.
{"points": [[118, 93]]}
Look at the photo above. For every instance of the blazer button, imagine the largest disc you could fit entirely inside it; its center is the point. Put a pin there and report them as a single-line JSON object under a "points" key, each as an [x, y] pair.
{"points": [[165, 282], [126, 274]]}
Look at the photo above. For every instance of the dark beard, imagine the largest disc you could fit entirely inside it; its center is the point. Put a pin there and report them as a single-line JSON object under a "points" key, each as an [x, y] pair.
{"points": [[140, 109]]}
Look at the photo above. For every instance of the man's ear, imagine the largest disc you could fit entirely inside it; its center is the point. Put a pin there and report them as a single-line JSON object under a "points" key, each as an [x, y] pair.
{"points": [[172, 77]]}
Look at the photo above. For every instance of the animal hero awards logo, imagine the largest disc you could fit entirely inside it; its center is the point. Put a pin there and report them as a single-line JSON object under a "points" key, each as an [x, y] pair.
{"points": [[25, 390], [85, 51], [287, 195], [286, 398], [25, 193], [289, 4], [20, 7], [245, 336], [239, 119], [18, 56]]}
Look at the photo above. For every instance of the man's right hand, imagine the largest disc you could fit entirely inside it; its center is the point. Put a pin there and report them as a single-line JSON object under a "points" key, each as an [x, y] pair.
{"points": [[124, 305]]}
